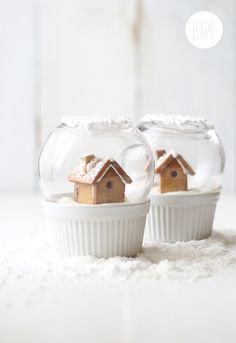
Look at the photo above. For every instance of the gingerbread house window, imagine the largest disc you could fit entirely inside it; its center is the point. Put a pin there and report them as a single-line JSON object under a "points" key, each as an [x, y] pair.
{"points": [[109, 184], [174, 173]]}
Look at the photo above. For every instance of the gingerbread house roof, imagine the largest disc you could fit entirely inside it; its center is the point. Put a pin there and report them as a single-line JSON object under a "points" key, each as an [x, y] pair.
{"points": [[95, 170], [167, 158]]}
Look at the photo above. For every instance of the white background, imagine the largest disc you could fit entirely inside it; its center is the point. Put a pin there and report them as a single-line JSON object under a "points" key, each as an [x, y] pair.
{"points": [[114, 57]]}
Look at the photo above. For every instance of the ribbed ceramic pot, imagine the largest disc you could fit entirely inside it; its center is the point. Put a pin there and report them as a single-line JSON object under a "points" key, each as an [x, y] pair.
{"points": [[180, 216], [103, 230]]}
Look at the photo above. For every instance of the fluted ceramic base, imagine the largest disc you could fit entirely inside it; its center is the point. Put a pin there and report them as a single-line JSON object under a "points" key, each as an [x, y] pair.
{"points": [[99, 230], [180, 216]]}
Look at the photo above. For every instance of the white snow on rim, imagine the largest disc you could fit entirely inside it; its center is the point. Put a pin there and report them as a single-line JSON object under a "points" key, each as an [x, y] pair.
{"points": [[184, 123], [97, 121]]}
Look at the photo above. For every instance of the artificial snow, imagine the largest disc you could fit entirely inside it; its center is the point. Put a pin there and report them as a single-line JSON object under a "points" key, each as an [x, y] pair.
{"points": [[96, 121], [189, 261], [184, 123]]}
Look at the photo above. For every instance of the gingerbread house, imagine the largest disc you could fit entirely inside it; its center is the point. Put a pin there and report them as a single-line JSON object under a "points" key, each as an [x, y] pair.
{"points": [[98, 181], [173, 170]]}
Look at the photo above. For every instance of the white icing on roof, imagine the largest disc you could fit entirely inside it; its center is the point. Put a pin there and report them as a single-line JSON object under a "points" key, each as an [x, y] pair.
{"points": [[173, 153], [111, 166], [87, 173], [92, 168], [184, 123], [186, 168], [97, 122], [185, 171], [92, 164], [163, 158]]}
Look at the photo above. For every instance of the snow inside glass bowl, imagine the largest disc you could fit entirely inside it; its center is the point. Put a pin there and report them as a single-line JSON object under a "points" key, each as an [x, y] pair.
{"points": [[189, 165], [96, 174]]}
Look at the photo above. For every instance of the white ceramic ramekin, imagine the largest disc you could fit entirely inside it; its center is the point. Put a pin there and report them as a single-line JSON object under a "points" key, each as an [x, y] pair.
{"points": [[180, 216], [100, 230]]}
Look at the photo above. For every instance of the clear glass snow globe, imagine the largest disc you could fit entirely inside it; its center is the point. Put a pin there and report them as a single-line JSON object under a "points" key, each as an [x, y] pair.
{"points": [[193, 143], [87, 150]]}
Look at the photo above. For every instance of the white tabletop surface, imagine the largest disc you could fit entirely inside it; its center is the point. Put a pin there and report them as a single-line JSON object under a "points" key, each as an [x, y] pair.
{"points": [[147, 311]]}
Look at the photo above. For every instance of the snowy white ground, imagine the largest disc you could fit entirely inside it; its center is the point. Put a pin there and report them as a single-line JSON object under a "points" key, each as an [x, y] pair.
{"points": [[169, 293]]}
